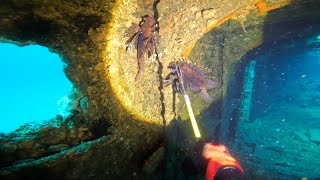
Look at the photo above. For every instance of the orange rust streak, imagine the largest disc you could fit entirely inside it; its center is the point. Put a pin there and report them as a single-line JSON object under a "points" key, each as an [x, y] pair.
{"points": [[263, 8], [147, 1], [211, 26], [189, 49]]}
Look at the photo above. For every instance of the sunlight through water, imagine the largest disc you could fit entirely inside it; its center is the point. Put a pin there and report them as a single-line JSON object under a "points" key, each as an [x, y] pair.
{"points": [[32, 82]]}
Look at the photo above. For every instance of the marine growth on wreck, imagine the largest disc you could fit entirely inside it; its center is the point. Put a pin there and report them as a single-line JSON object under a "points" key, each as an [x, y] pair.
{"points": [[251, 79]]}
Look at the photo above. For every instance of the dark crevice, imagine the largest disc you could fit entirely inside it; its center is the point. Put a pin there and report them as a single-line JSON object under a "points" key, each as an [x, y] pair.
{"points": [[156, 14], [221, 62], [87, 22], [148, 154], [174, 96], [100, 128], [221, 51], [217, 131], [160, 68]]}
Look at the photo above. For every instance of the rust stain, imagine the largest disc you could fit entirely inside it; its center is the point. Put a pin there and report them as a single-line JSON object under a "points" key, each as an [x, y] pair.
{"points": [[122, 50], [147, 1], [210, 26], [221, 21], [188, 51], [263, 7]]}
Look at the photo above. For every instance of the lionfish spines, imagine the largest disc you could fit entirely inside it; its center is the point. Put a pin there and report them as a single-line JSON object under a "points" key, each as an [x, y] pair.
{"points": [[195, 78]]}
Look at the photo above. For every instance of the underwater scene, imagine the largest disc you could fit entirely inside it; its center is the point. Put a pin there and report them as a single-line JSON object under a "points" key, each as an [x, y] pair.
{"points": [[32, 91], [281, 107], [164, 90]]}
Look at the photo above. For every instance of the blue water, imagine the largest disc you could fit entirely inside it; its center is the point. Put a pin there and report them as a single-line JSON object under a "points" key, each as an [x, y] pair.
{"points": [[32, 81], [292, 83], [282, 134]]}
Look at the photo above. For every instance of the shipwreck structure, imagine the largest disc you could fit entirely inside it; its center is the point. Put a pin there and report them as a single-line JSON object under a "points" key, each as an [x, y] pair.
{"points": [[120, 127]]}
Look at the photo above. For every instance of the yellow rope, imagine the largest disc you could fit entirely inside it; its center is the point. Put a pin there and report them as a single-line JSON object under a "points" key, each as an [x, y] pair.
{"points": [[192, 118]]}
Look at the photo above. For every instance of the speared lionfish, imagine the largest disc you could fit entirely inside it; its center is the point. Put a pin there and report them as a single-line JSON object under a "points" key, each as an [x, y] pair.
{"points": [[194, 79]]}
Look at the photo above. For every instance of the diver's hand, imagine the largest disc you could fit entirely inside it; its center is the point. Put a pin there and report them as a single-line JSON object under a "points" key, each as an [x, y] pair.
{"points": [[220, 160], [218, 153]]}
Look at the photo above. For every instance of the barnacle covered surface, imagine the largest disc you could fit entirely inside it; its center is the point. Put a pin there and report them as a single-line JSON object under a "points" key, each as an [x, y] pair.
{"points": [[124, 120]]}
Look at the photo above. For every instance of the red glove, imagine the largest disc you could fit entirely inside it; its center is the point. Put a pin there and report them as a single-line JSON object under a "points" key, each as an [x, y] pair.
{"points": [[218, 156]]}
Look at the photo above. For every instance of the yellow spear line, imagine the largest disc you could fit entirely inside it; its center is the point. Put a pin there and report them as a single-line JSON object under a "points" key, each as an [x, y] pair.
{"points": [[188, 103], [192, 118]]}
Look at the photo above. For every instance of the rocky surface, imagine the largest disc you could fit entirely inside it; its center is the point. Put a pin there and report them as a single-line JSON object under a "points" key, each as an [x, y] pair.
{"points": [[121, 130], [35, 140]]}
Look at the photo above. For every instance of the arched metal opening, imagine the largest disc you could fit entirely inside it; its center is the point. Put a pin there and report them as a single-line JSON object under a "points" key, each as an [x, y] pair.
{"points": [[33, 85]]}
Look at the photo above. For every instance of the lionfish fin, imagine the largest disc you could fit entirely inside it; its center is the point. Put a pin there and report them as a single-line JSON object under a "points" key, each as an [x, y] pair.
{"points": [[211, 84], [199, 69], [205, 96]]}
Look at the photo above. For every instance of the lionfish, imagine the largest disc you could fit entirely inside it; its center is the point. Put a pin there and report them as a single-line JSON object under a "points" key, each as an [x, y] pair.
{"points": [[147, 40], [194, 78]]}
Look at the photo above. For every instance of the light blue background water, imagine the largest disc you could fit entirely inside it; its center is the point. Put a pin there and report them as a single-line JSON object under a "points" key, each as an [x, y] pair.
{"points": [[31, 82]]}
